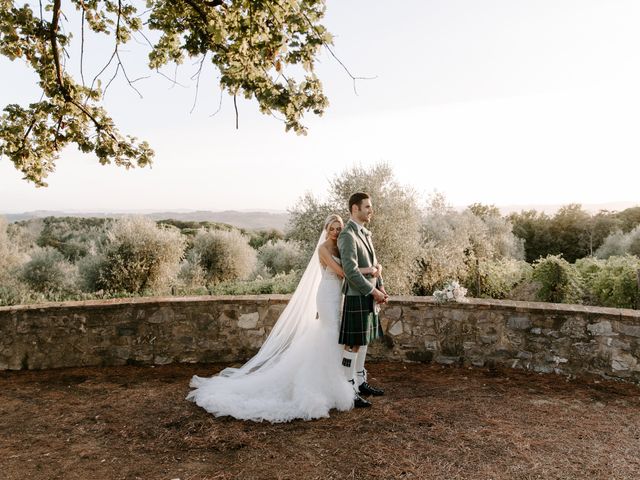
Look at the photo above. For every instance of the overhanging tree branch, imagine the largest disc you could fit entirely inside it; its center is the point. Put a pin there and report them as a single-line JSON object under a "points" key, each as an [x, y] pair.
{"points": [[244, 41]]}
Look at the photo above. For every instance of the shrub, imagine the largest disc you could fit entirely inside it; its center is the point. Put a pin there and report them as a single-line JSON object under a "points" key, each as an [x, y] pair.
{"points": [[497, 278], [615, 283], [619, 244], [454, 242], [559, 280], [258, 238], [49, 272], [224, 255], [614, 245], [13, 293], [281, 256], [634, 242], [74, 237], [437, 264], [191, 275], [140, 257], [10, 256], [89, 272], [588, 268], [12, 290], [24, 235]]}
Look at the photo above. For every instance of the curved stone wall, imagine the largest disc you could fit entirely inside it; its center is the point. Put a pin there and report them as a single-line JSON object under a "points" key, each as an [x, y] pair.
{"points": [[543, 337]]}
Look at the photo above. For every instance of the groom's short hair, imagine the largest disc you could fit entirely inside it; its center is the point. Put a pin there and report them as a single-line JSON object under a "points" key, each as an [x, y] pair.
{"points": [[356, 199]]}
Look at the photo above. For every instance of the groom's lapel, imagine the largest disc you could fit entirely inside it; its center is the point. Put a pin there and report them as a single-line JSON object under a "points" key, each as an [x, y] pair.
{"points": [[356, 227]]}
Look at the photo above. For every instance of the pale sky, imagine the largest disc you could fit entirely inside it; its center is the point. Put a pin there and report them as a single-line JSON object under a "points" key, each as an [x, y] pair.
{"points": [[499, 101]]}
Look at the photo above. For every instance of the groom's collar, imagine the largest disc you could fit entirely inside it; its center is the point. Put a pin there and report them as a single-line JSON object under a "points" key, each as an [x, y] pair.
{"points": [[358, 224], [359, 227]]}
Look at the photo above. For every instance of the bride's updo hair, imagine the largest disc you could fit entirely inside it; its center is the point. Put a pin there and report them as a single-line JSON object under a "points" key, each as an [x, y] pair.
{"points": [[334, 217]]}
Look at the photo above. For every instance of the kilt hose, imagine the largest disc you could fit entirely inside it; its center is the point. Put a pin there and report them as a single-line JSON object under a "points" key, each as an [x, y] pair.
{"points": [[360, 324]]}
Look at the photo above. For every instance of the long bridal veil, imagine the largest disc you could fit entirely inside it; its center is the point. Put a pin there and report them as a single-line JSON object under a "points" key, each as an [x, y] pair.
{"points": [[290, 326], [296, 374]]}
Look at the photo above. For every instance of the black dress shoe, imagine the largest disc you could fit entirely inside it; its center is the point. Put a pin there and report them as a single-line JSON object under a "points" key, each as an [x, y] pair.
{"points": [[365, 389], [360, 402]]}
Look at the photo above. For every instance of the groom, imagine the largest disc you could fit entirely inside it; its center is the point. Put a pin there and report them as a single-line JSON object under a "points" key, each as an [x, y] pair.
{"points": [[360, 323]]}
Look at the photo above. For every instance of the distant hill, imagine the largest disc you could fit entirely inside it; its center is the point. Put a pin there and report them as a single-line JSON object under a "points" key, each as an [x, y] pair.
{"points": [[551, 209], [258, 220], [249, 220]]}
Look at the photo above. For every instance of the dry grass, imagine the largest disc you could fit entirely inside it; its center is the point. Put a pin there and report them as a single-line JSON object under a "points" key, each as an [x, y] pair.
{"points": [[435, 422]]}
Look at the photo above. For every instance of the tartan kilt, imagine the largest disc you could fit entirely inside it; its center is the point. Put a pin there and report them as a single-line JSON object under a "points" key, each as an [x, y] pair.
{"points": [[360, 325]]}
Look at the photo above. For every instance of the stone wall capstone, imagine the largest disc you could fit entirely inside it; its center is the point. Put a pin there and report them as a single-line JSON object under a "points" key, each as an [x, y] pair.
{"points": [[543, 337]]}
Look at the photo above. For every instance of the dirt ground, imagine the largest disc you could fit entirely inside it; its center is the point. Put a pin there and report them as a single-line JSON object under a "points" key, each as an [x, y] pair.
{"points": [[435, 422]]}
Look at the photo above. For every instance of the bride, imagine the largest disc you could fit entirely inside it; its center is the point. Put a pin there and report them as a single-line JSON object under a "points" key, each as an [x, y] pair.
{"points": [[297, 372]]}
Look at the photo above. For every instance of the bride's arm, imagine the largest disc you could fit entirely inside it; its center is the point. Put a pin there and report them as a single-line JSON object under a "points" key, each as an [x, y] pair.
{"points": [[328, 260], [373, 271]]}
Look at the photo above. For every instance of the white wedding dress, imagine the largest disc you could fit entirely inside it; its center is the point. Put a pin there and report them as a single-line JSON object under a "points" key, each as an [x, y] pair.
{"points": [[297, 372]]}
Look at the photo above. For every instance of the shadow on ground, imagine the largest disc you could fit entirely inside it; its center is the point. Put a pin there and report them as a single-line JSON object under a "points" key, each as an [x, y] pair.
{"points": [[435, 422]]}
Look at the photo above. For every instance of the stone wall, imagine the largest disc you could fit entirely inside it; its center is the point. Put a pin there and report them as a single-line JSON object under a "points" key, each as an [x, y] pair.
{"points": [[143, 330], [567, 339], [543, 337]]}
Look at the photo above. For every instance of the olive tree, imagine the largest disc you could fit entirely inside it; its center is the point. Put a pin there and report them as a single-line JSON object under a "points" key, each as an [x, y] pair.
{"points": [[475, 246], [619, 243], [223, 255], [140, 257], [262, 49], [395, 224], [12, 290]]}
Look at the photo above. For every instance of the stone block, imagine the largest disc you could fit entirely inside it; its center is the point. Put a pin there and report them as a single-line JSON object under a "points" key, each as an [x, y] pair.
{"points": [[249, 320], [519, 323], [574, 327], [392, 313], [121, 352], [161, 315], [273, 313], [621, 345], [600, 328], [423, 356], [551, 333], [162, 360], [396, 329], [468, 345], [631, 330], [126, 330], [447, 360], [624, 362], [224, 320], [431, 345], [256, 332]]}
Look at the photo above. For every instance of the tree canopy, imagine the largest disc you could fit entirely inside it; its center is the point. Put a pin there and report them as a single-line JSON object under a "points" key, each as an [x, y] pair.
{"points": [[395, 223], [263, 49]]}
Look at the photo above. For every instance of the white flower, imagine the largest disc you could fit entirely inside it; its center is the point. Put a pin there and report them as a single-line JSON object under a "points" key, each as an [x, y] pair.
{"points": [[451, 292]]}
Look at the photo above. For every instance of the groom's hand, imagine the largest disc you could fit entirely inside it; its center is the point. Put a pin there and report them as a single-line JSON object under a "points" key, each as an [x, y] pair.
{"points": [[384, 292], [378, 296]]}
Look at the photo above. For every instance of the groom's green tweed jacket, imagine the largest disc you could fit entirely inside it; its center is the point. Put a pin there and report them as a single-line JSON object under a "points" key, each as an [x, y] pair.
{"points": [[356, 251]]}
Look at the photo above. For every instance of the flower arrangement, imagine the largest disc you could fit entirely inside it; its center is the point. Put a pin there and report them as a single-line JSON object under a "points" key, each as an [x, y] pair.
{"points": [[451, 292]]}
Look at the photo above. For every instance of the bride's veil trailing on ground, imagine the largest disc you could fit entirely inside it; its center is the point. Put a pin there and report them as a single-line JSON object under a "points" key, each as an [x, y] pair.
{"points": [[292, 323], [296, 373]]}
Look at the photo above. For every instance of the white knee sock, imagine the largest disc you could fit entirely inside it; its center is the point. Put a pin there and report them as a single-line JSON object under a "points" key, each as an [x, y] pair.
{"points": [[349, 364], [361, 373]]}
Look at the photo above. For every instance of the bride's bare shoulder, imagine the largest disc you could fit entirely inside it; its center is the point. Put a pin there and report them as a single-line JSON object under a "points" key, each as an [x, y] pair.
{"points": [[324, 246], [322, 251]]}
